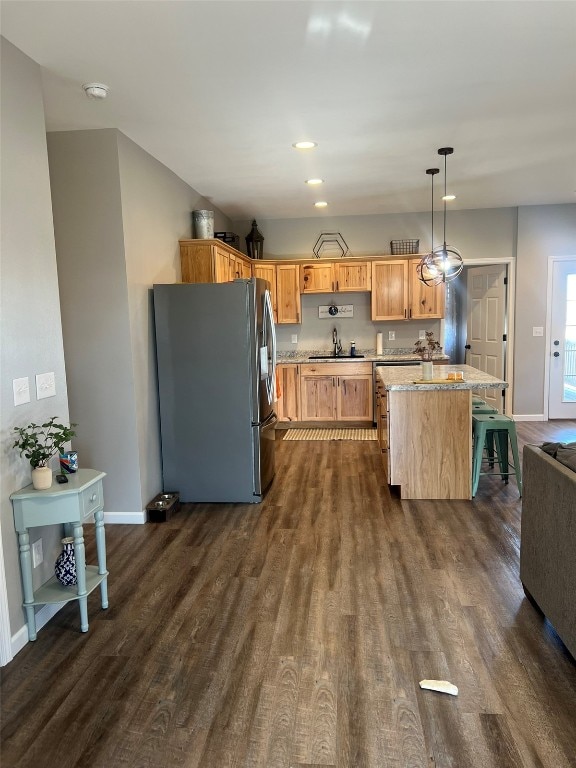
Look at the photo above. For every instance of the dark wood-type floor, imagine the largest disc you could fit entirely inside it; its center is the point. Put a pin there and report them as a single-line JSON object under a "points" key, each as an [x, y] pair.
{"points": [[294, 633]]}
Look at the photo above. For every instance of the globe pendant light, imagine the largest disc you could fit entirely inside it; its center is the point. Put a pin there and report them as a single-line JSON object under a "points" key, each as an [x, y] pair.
{"points": [[447, 258], [427, 272]]}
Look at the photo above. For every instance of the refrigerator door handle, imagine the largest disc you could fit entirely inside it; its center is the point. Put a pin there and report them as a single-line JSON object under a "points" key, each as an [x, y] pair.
{"points": [[271, 381]]}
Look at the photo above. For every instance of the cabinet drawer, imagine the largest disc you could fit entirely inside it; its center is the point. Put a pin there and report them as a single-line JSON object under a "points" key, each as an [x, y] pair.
{"points": [[335, 369], [92, 499]]}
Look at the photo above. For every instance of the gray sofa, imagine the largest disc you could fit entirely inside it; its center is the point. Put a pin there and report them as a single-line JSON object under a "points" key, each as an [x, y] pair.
{"points": [[548, 540]]}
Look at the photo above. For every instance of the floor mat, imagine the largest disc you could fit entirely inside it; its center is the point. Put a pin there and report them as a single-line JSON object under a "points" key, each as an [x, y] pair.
{"points": [[330, 434]]}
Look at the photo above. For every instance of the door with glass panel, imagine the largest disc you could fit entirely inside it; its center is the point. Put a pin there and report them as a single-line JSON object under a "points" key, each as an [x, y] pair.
{"points": [[562, 383]]}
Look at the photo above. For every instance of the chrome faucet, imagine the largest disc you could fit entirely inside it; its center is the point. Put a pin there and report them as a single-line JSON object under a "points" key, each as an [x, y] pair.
{"points": [[336, 342]]}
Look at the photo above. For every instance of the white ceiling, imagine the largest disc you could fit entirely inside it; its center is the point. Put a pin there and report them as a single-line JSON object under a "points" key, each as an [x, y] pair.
{"points": [[219, 90]]}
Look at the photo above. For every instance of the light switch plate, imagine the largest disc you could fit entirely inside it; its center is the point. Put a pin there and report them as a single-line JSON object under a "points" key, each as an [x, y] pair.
{"points": [[21, 389], [537, 331], [45, 385], [294, 338], [391, 335]]}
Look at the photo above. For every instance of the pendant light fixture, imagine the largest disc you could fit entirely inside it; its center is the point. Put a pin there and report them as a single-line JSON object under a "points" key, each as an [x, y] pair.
{"points": [[444, 263], [427, 273]]}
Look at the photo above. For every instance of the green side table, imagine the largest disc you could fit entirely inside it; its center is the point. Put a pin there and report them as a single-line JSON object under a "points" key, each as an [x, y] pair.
{"points": [[71, 504]]}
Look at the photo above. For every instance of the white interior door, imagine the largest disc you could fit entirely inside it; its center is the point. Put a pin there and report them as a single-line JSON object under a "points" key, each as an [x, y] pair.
{"points": [[562, 381], [486, 325]]}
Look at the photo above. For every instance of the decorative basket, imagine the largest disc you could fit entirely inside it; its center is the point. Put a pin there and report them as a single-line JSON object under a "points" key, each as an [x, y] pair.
{"points": [[404, 247]]}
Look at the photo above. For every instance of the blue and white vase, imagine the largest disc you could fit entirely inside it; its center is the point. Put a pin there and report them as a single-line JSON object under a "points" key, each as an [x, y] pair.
{"points": [[65, 565]]}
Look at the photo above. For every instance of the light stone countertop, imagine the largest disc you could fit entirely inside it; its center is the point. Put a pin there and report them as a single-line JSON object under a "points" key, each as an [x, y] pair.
{"points": [[402, 377], [369, 356]]}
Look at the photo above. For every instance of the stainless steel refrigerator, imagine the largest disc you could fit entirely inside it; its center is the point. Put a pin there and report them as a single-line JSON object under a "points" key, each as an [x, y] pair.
{"points": [[216, 357]]}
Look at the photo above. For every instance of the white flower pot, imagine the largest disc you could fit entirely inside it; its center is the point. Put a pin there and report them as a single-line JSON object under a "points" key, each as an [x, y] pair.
{"points": [[42, 478], [427, 368]]}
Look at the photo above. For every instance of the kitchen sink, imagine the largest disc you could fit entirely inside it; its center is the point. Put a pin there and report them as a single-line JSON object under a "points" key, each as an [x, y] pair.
{"points": [[333, 357]]}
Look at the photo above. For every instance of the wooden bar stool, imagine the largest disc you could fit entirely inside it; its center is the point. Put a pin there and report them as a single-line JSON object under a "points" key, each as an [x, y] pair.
{"points": [[494, 432]]}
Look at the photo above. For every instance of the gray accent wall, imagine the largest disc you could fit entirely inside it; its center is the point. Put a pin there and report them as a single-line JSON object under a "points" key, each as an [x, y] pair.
{"points": [[118, 216], [31, 335]]}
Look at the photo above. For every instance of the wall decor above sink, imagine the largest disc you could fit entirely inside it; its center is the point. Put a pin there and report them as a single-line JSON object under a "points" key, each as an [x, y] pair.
{"points": [[328, 311]]}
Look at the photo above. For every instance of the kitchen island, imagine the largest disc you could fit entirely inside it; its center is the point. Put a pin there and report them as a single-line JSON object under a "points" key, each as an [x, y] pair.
{"points": [[425, 429]]}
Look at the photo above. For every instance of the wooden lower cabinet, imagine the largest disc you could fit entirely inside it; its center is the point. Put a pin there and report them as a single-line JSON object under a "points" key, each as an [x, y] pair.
{"points": [[288, 403], [382, 426], [336, 392], [430, 443]]}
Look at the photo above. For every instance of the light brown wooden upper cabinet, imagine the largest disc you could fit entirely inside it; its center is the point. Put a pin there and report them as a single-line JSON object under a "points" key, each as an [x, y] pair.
{"points": [[288, 293], [390, 290], [352, 276], [397, 294], [338, 276], [336, 392], [239, 267], [425, 301], [317, 278], [267, 272], [212, 261]]}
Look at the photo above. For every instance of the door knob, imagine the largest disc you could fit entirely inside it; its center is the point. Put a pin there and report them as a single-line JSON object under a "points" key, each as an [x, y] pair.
{"points": [[467, 346], [556, 354]]}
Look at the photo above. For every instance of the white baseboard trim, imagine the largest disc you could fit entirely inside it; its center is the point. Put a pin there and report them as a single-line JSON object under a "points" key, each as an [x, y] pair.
{"points": [[125, 518], [530, 417], [20, 639]]}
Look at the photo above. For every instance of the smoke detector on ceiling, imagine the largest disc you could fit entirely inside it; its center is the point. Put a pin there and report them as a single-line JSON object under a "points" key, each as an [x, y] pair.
{"points": [[96, 90]]}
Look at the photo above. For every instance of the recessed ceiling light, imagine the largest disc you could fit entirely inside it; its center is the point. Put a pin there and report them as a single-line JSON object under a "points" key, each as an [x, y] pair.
{"points": [[314, 182], [321, 204], [448, 197], [305, 144]]}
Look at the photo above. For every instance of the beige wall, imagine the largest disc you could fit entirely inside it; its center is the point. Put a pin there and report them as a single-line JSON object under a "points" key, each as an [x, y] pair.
{"points": [[31, 336], [118, 216], [156, 212]]}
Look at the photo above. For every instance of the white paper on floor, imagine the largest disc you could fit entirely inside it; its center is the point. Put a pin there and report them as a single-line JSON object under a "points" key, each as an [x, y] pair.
{"points": [[443, 686]]}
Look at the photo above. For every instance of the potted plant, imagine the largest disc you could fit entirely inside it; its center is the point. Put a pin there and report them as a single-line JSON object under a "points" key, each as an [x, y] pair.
{"points": [[426, 349], [38, 443]]}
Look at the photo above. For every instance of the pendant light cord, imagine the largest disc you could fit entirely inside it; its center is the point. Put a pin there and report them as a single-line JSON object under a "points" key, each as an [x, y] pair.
{"points": [[444, 203]]}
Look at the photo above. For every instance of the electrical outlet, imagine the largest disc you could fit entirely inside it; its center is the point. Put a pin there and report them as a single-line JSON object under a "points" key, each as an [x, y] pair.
{"points": [[294, 338], [21, 388], [37, 554], [45, 385], [421, 334], [391, 335]]}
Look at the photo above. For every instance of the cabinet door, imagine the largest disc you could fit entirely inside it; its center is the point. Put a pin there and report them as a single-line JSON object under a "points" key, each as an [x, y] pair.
{"points": [[267, 272], [354, 398], [288, 405], [288, 293], [222, 267], [318, 398], [318, 278], [352, 276], [425, 301], [390, 290]]}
